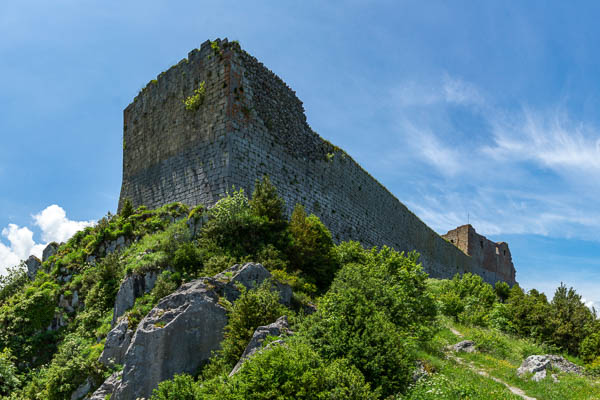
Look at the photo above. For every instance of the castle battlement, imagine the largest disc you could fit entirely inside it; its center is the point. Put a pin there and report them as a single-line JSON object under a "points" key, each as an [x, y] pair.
{"points": [[248, 123]]}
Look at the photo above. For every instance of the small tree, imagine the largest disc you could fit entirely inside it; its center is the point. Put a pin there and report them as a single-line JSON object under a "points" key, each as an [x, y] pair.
{"points": [[127, 209], [311, 250]]}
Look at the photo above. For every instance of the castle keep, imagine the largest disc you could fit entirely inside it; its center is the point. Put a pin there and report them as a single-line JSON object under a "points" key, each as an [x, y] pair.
{"points": [[249, 123]]}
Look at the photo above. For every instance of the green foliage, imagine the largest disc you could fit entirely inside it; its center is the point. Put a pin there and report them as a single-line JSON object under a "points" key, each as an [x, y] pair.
{"points": [[193, 102], [370, 309], [181, 387], [502, 290], [569, 319], [468, 299], [290, 371], [528, 313], [312, 249], [9, 379], [75, 360], [187, 259], [166, 283], [127, 209], [267, 203], [590, 347], [252, 309], [13, 281]]}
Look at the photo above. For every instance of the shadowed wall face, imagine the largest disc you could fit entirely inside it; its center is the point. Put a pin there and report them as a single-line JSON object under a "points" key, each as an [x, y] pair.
{"points": [[252, 124]]}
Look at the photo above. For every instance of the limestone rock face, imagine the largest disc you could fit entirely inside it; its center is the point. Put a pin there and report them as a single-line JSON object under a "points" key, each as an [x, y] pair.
{"points": [[49, 251], [108, 387], [134, 286], [180, 333], [468, 346], [277, 328], [33, 264], [538, 364], [177, 336], [250, 275], [117, 343]]}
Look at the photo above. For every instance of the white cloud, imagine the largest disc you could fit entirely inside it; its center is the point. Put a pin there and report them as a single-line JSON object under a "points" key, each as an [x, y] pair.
{"points": [[449, 90], [550, 140], [54, 226]]}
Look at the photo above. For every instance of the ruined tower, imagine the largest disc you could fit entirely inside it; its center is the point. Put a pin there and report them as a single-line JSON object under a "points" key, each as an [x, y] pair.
{"points": [[245, 122]]}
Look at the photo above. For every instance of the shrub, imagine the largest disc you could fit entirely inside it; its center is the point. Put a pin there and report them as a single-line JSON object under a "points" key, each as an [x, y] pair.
{"points": [[502, 290], [467, 299], [192, 103], [127, 209], [187, 259], [590, 347], [181, 387], [9, 380], [528, 313], [254, 308], [370, 309], [290, 371], [311, 250], [569, 319], [13, 281]]}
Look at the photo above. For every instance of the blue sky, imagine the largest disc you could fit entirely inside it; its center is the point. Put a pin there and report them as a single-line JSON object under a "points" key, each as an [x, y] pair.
{"points": [[486, 109]]}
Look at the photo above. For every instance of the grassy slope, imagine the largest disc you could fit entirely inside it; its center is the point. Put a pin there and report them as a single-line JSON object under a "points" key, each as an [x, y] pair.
{"points": [[500, 355]]}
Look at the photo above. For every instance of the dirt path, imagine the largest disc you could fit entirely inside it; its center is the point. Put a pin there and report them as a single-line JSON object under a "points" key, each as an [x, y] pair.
{"points": [[514, 390]]}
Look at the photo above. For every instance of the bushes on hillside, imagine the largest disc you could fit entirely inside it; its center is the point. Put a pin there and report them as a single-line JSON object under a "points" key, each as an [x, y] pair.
{"points": [[370, 309]]}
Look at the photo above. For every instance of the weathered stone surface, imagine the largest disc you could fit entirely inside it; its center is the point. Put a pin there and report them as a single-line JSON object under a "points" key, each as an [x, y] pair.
{"points": [[82, 390], [250, 275], [33, 264], [494, 259], [117, 343], [177, 336], [467, 346], [49, 251], [419, 372], [277, 328], [252, 124], [108, 387], [134, 286], [538, 364]]}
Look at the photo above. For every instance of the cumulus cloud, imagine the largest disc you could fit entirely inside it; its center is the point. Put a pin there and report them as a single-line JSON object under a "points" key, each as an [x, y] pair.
{"points": [[54, 226]]}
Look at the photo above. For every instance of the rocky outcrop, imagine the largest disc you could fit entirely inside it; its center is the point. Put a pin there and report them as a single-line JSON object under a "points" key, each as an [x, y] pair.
{"points": [[177, 336], [180, 333], [82, 390], [108, 387], [539, 364], [33, 264], [117, 343], [49, 251], [134, 286], [277, 328], [250, 275], [467, 346]]}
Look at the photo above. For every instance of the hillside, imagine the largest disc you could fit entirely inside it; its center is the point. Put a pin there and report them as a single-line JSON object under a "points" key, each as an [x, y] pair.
{"points": [[238, 302]]}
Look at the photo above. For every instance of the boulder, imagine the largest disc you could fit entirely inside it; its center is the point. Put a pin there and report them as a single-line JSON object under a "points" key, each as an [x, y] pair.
{"points": [[180, 334], [108, 387], [117, 342], [177, 336], [33, 264], [134, 286], [468, 346], [277, 328], [49, 251], [538, 364]]}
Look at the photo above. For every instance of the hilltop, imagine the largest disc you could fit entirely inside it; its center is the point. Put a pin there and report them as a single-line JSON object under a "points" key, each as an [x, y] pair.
{"points": [[241, 302]]}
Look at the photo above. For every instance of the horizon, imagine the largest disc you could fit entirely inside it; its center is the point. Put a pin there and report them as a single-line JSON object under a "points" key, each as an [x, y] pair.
{"points": [[463, 116]]}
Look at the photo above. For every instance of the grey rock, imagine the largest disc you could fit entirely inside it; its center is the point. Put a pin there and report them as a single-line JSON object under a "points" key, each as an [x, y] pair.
{"points": [[108, 387], [177, 336], [538, 364], [117, 343], [75, 299], [467, 346], [277, 328], [49, 251], [66, 304], [134, 286], [82, 390], [419, 372], [250, 275], [33, 264]]}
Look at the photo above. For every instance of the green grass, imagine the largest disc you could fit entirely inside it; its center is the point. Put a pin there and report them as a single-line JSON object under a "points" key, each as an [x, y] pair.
{"points": [[499, 355]]}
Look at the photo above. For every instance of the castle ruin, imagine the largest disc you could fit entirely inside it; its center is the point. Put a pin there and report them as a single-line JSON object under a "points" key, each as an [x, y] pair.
{"points": [[247, 123]]}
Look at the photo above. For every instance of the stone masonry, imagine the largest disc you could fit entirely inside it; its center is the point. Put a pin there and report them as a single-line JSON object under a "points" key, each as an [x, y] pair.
{"points": [[251, 124]]}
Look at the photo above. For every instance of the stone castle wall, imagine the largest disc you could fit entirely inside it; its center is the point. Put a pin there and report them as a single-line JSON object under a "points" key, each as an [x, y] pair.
{"points": [[252, 124]]}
